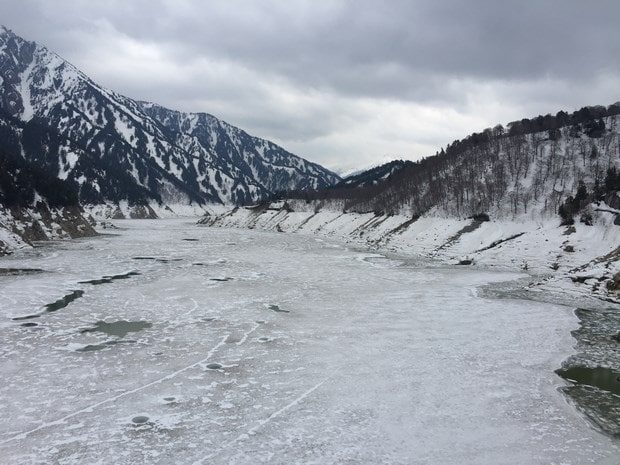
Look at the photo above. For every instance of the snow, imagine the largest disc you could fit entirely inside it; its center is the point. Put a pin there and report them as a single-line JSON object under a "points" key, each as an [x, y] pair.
{"points": [[124, 128], [25, 83], [65, 169], [184, 210], [193, 122], [328, 355], [103, 212], [541, 242]]}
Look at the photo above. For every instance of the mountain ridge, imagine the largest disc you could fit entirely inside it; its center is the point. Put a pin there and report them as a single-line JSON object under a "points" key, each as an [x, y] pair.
{"points": [[113, 148]]}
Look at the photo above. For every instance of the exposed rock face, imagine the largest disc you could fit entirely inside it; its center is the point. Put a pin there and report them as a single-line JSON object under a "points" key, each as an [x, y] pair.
{"points": [[19, 227], [614, 283]]}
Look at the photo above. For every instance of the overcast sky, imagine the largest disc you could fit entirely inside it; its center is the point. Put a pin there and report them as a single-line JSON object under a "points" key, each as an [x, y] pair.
{"points": [[343, 83]]}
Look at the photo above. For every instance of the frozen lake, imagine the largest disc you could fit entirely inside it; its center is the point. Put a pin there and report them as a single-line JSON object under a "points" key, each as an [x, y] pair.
{"points": [[171, 343]]}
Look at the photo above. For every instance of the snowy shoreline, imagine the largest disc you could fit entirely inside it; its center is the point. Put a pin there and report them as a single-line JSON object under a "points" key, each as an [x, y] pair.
{"points": [[573, 267], [575, 264]]}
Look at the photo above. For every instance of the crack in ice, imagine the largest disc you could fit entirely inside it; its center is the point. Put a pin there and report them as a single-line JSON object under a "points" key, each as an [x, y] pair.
{"points": [[245, 336], [276, 414], [262, 423], [124, 394]]}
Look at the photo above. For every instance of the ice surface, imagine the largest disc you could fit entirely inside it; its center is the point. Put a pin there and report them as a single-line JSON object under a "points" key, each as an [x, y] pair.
{"points": [[373, 360]]}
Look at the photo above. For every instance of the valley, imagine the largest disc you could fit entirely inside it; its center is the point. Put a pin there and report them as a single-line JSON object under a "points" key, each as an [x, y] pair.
{"points": [[194, 344]]}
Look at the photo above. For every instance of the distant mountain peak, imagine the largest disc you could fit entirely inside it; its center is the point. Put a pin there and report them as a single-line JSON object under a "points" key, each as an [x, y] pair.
{"points": [[374, 174]]}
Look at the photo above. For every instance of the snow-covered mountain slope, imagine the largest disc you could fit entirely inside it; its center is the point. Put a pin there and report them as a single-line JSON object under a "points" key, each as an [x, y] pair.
{"points": [[528, 169], [257, 165], [115, 149], [582, 262]]}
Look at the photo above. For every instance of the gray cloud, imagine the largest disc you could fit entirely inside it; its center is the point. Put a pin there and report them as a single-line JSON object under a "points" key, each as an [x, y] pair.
{"points": [[342, 82]]}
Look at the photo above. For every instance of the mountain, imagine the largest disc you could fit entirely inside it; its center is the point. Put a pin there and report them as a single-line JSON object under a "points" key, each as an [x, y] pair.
{"points": [[113, 149], [373, 175], [535, 167]]}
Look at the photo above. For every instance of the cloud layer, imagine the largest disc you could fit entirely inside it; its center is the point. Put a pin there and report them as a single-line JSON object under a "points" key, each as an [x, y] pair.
{"points": [[344, 83]]}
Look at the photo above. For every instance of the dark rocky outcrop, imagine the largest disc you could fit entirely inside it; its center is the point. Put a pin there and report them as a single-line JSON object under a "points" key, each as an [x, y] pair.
{"points": [[41, 223]]}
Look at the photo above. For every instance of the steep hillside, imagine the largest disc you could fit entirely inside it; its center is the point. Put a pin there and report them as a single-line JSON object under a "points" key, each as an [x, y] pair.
{"points": [[118, 150], [245, 163], [531, 168], [36, 206]]}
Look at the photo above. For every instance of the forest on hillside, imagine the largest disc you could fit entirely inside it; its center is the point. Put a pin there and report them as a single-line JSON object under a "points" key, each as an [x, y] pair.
{"points": [[531, 166]]}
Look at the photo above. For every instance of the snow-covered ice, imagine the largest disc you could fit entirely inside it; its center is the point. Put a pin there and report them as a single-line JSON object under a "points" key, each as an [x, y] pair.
{"points": [[275, 348]]}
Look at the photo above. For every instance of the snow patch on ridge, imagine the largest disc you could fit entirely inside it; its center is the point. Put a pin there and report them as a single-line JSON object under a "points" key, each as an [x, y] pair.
{"points": [[26, 80]]}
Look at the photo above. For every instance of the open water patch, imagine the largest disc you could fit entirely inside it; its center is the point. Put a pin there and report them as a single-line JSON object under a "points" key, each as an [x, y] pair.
{"points": [[593, 388], [26, 317], [221, 280], [105, 345], [118, 328], [277, 309], [600, 406], [19, 271], [92, 348], [157, 259], [53, 306], [140, 420], [599, 377], [29, 325], [64, 301], [110, 279]]}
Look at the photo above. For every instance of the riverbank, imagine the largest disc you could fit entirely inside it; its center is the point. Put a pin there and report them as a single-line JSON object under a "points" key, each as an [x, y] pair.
{"points": [[576, 266], [579, 263]]}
